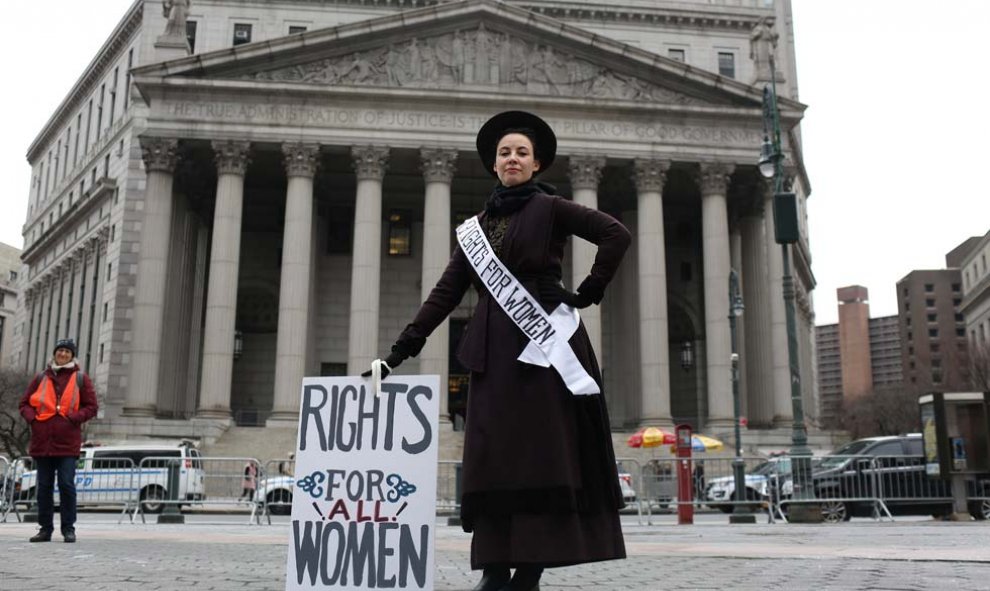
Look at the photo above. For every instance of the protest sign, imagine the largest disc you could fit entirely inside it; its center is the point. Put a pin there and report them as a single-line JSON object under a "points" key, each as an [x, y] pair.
{"points": [[364, 501]]}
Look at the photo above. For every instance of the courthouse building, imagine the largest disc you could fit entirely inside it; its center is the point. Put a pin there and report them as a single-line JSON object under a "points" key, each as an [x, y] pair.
{"points": [[10, 266], [975, 304], [240, 193]]}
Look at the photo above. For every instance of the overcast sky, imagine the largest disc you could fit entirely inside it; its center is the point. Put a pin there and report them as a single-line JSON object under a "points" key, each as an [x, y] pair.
{"points": [[896, 124]]}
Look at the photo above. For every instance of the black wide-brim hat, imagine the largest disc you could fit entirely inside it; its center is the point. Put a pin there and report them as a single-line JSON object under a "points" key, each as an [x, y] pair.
{"points": [[493, 130]]}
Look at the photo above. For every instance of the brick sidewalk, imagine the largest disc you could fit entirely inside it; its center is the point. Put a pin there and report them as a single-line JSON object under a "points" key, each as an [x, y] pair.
{"points": [[225, 556]]}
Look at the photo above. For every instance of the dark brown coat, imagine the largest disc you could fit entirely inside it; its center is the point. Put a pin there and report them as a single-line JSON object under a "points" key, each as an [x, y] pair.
{"points": [[536, 457]]}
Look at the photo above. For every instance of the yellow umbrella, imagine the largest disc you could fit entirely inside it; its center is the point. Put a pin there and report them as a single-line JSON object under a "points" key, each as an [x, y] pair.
{"points": [[701, 443]]}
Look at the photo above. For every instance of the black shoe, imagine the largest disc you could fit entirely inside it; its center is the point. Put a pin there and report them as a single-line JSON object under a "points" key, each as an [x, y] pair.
{"points": [[69, 537], [525, 579], [493, 579], [42, 536]]}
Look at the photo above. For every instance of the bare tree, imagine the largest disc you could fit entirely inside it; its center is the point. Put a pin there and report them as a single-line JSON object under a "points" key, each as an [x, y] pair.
{"points": [[15, 434], [884, 411]]}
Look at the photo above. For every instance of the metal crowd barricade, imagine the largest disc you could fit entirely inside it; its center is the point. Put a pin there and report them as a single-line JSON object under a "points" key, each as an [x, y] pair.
{"points": [[24, 493], [275, 486], [713, 483], [714, 480], [106, 481], [838, 481], [631, 471], [100, 482], [6, 487], [655, 484], [449, 487], [903, 479], [197, 481], [845, 485]]}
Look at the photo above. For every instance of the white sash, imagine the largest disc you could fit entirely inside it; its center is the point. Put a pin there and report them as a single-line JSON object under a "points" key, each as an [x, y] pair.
{"points": [[548, 334]]}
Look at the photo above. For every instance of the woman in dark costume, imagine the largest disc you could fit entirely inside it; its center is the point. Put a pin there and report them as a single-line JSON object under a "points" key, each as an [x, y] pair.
{"points": [[539, 487]]}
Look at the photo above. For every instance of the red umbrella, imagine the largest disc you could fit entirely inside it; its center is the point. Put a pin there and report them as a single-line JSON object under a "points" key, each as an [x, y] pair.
{"points": [[650, 437]]}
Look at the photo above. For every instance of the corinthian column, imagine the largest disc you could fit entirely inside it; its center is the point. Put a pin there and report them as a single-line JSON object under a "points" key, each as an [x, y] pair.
{"points": [[221, 296], [149, 292], [586, 173], [756, 294], [301, 161], [370, 163], [653, 346], [65, 295], [78, 273], [714, 181], [28, 338], [438, 171]]}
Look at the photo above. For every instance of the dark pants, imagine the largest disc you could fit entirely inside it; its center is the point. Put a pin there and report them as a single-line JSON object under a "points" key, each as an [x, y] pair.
{"points": [[65, 467]]}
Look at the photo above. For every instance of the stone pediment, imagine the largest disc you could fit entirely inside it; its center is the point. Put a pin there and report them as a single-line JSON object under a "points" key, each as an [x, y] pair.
{"points": [[477, 58], [469, 47]]}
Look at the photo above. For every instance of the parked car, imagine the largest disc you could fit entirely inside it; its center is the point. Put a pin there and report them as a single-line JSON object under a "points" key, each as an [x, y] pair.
{"points": [[128, 473], [759, 481], [276, 492], [849, 481], [626, 484]]}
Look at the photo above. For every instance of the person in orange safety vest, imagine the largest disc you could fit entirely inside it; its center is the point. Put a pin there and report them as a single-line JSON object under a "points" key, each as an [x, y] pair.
{"points": [[56, 404]]}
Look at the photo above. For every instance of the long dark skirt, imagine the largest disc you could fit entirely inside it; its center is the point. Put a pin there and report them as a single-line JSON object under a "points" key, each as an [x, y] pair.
{"points": [[540, 485]]}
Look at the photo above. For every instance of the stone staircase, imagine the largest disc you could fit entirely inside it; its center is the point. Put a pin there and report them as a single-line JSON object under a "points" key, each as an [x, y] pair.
{"points": [[263, 443]]}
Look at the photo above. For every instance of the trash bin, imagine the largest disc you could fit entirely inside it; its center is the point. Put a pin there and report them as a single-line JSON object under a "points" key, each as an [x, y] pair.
{"points": [[171, 513]]}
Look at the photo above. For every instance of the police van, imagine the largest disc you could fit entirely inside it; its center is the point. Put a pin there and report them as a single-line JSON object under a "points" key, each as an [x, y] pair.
{"points": [[128, 473]]}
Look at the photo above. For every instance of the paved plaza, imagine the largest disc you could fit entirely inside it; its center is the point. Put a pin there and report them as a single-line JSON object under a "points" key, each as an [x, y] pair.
{"points": [[223, 553]]}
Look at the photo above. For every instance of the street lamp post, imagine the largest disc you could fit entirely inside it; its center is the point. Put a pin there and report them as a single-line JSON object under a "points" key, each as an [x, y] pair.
{"points": [[804, 508], [741, 513]]}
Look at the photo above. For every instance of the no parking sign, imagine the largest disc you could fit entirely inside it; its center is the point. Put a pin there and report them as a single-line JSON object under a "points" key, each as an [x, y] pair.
{"points": [[364, 503]]}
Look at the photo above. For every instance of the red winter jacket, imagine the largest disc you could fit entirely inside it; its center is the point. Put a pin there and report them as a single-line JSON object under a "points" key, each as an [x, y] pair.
{"points": [[59, 436]]}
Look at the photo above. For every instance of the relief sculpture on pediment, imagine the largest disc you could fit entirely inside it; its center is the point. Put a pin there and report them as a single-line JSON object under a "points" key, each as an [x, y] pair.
{"points": [[478, 58]]}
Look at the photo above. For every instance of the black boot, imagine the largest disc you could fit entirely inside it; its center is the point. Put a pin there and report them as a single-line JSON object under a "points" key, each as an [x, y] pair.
{"points": [[493, 579], [44, 535], [527, 578]]}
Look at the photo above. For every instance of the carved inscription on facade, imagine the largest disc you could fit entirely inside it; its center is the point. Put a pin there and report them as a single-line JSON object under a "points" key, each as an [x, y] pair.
{"points": [[480, 58], [723, 134]]}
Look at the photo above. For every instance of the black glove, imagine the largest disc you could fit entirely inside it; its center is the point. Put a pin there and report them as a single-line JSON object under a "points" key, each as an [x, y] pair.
{"points": [[553, 293], [394, 360], [592, 289]]}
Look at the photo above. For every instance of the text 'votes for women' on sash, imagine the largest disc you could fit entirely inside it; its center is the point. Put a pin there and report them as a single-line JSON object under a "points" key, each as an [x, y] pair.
{"points": [[548, 334], [365, 488]]}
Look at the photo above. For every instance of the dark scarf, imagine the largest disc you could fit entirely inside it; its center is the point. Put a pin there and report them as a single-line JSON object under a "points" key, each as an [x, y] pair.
{"points": [[507, 200]]}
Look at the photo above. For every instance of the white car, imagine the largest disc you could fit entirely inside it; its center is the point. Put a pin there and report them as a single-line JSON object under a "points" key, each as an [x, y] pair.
{"points": [[276, 492], [758, 484], [628, 492]]}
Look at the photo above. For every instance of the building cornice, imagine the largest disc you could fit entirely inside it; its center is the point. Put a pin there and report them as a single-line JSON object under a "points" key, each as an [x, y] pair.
{"points": [[715, 17], [80, 209], [80, 170], [96, 69], [977, 249], [977, 295], [641, 12]]}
